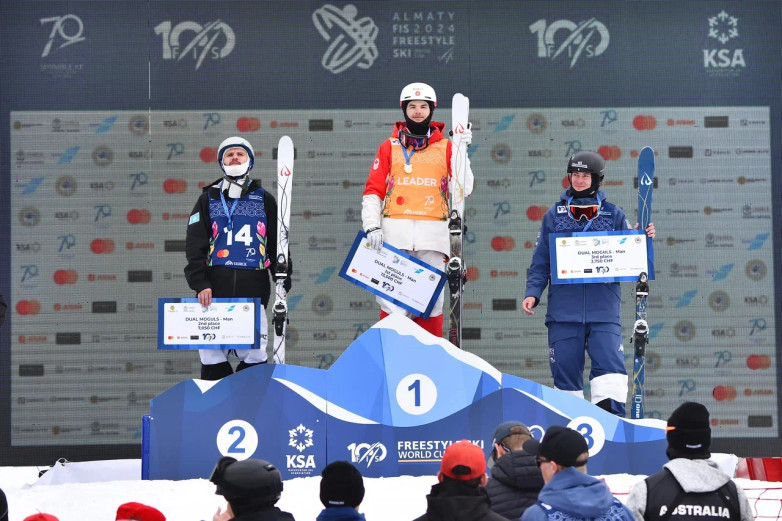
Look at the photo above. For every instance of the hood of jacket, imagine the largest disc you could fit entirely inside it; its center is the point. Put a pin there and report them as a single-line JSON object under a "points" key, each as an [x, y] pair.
{"points": [[578, 494], [697, 475], [456, 501]]}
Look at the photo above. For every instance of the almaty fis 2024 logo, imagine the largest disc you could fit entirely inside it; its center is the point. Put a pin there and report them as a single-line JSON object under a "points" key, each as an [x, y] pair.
{"points": [[351, 39]]}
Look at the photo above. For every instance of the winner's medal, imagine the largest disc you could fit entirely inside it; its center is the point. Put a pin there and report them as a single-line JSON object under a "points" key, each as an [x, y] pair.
{"points": [[408, 168]]}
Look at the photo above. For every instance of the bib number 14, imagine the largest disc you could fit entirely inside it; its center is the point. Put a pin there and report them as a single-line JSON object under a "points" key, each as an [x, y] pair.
{"points": [[244, 235]]}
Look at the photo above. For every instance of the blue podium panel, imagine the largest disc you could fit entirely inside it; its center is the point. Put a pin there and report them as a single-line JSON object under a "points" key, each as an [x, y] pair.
{"points": [[391, 404], [379, 450], [616, 445], [415, 394], [271, 412], [398, 374]]}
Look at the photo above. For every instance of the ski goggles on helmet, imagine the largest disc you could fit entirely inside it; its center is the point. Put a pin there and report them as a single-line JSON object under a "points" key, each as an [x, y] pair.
{"points": [[417, 142], [584, 211]]}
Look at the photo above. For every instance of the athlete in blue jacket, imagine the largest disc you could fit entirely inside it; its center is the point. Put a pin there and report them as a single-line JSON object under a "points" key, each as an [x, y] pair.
{"points": [[582, 317]]}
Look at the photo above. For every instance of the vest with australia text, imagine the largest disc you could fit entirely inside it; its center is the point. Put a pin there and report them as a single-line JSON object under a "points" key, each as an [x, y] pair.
{"points": [[423, 193], [663, 491]]}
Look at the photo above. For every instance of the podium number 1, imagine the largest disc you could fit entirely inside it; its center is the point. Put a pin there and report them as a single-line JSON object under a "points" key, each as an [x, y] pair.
{"points": [[416, 388], [416, 394]]}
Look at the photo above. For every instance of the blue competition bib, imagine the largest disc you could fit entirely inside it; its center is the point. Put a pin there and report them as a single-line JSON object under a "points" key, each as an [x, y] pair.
{"points": [[239, 232]]}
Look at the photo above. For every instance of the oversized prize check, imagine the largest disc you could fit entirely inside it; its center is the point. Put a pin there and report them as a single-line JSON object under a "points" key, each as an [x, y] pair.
{"points": [[584, 257], [393, 275], [229, 323]]}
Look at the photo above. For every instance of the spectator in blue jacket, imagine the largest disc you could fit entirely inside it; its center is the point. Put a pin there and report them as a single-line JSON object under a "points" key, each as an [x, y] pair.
{"points": [[341, 492], [570, 494], [582, 317]]}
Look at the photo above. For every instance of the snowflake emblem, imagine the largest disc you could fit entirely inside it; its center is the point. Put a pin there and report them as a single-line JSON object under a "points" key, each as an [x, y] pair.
{"points": [[723, 27], [300, 438]]}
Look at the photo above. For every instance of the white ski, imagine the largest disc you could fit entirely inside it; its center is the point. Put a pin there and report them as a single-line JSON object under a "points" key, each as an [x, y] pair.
{"points": [[460, 110], [284, 189]]}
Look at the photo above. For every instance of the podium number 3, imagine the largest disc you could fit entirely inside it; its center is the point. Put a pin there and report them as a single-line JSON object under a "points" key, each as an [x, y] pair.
{"points": [[416, 394], [238, 439], [591, 430]]}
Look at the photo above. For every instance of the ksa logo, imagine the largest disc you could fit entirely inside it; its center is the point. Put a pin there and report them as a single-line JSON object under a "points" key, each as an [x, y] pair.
{"points": [[215, 40], [587, 38], [300, 438], [723, 61], [352, 40]]}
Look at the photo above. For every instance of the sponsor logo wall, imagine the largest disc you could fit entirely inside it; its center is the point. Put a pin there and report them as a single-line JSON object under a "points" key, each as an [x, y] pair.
{"points": [[97, 201], [111, 200]]}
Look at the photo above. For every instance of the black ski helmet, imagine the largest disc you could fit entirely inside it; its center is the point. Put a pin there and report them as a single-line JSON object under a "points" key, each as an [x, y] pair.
{"points": [[587, 161], [251, 482]]}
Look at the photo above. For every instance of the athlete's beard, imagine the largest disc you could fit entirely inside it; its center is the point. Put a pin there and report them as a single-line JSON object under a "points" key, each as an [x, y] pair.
{"points": [[235, 180]]}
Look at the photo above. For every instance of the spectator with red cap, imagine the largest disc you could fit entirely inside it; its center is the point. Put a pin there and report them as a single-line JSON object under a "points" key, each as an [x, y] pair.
{"points": [[138, 512], [459, 495], [41, 517]]}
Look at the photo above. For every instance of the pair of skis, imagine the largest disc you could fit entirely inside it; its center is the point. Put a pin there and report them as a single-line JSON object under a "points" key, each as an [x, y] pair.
{"points": [[641, 326], [455, 269], [285, 155]]}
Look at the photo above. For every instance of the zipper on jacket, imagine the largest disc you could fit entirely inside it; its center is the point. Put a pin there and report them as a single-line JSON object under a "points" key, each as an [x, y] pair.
{"points": [[584, 306]]}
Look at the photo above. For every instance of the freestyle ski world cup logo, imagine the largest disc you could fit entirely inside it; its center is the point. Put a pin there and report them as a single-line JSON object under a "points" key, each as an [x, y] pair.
{"points": [[352, 40], [566, 39], [214, 40]]}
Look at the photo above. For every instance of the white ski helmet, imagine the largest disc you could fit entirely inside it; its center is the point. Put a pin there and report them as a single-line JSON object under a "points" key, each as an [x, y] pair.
{"points": [[232, 142], [418, 91]]}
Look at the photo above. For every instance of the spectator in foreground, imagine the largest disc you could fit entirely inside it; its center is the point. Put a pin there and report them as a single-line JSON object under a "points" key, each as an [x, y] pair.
{"points": [[570, 493], [459, 495], [251, 487], [138, 512], [341, 492], [515, 479], [690, 484]]}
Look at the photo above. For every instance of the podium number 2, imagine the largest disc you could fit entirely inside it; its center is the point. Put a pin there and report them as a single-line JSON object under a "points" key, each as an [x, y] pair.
{"points": [[237, 438], [416, 394]]}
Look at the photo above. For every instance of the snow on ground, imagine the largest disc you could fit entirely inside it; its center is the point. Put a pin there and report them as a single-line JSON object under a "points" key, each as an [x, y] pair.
{"points": [[386, 499]]}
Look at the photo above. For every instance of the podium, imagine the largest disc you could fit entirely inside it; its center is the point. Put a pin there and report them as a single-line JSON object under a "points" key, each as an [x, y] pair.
{"points": [[391, 404]]}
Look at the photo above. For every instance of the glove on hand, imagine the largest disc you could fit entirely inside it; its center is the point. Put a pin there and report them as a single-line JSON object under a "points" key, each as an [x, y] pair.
{"points": [[467, 135], [375, 238]]}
